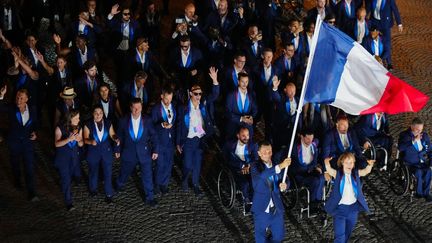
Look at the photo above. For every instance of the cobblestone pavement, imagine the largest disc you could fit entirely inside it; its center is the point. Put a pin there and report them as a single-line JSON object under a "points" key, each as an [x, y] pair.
{"points": [[181, 217]]}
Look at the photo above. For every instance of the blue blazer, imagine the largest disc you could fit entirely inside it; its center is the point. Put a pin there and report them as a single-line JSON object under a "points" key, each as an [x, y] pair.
{"points": [[336, 194], [89, 33], [298, 166], [183, 117], [369, 45], [365, 127], [85, 93], [387, 11], [234, 106], [283, 67], [129, 93], [252, 58], [103, 147], [230, 81], [409, 153], [19, 135], [195, 60], [265, 184], [115, 24], [251, 154], [143, 146], [282, 115], [167, 137], [332, 145], [344, 19], [112, 117]]}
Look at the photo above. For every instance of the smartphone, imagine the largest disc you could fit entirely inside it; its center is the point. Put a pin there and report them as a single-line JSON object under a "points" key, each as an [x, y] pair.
{"points": [[179, 20]]}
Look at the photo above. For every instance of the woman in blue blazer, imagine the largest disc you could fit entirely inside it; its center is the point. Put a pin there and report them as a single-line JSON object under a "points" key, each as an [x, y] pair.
{"points": [[97, 132], [68, 139], [346, 199]]}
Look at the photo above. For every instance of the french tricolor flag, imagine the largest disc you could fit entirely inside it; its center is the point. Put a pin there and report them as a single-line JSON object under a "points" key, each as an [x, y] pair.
{"points": [[343, 74]]}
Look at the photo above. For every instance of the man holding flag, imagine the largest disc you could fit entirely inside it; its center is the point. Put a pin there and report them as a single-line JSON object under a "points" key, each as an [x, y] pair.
{"points": [[340, 72]]}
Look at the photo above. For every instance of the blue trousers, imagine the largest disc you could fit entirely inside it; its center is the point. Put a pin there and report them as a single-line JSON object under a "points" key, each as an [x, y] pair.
{"points": [[28, 158], [164, 166], [245, 184], [344, 221], [94, 174], [315, 184], [127, 168], [192, 153], [68, 167], [275, 223], [423, 176]]}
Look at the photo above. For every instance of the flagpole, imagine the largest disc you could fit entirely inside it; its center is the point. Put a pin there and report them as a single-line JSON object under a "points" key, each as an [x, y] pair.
{"points": [[318, 24]]}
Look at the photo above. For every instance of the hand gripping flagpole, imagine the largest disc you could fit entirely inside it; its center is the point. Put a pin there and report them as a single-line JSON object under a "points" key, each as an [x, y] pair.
{"points": [[318, 24]]}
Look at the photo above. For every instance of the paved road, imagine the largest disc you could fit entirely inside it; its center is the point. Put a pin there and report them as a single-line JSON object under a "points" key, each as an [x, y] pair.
{"points": [[181, 217]]}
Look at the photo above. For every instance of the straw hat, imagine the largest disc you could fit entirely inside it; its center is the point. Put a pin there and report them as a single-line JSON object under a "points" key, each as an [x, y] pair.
{"points": [[68, 93]]}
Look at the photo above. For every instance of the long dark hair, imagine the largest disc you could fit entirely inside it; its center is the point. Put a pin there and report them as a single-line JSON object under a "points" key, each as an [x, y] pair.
{"points": [[67, 120]]}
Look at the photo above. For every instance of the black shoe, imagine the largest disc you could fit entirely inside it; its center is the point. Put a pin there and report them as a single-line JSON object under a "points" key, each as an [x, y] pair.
{"points": [[428, 199], [185, 186], [70, 207], [197, 191], [33, 197], [390, 67], [164, 190], [418, 196], [108, 199], [92, 194], [156, 190], [118, 189], [152, 203], [247, 208]]}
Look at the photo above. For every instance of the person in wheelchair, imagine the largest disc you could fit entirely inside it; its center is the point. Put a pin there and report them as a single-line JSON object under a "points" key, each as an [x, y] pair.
{"points": [[342, 139], [374, 127], [414, 147], [239, 154], [306, 169], [267, 207]]}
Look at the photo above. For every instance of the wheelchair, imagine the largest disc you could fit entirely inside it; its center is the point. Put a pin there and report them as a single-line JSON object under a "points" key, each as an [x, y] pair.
{"points": [[401, 180], [228, 191], [376, 151]]}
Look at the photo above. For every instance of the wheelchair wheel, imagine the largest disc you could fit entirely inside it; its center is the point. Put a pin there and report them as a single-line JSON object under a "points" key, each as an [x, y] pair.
{"points": [[226, 188], [399, 178], [290, 196], [370, 153], [328, 188]]}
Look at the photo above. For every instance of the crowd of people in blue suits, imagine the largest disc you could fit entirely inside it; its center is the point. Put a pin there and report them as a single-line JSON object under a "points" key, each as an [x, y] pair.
{"points": [[226, 67]]}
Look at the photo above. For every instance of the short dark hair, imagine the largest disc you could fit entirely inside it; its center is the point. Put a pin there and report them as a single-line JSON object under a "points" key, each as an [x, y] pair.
{"points": [[306, 131], [140, 75], [103, 84], [263, 143], [417, 121], [135, 100], [24, 91], [341, 117], [267, 50], [287, 44], [184, 38], [97, 106], [167, 89], [89, 64], [242, 75], [241, 128], [239, 54]]}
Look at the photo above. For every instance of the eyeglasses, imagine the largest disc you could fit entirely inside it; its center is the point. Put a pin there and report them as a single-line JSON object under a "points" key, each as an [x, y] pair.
{"points": [[126, 14], [197, 94]]}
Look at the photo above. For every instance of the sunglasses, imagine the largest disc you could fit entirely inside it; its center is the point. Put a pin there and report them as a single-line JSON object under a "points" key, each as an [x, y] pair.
{"points": [[126, 14], [197, 94]]}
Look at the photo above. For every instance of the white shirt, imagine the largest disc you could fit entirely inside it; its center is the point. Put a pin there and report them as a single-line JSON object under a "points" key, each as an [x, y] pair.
{"points": [[124, 44], [419, 143], [240, 151], [100, 133], [105, 107], [195, 122], [141, 57], [348, 4], [296, 41], [378, 121], [135, 125], [344, 140], [267, 72], [185, 56], [81, 28], [62, 73], [293, 106], [83, 55], [8, 22], [25, 116], [377, 9], [243, 98], [168, 110], [361, 30], [309, 40], [139, 92], [34, 56], [288, 60], [307, 153], [271, 204], [348, 196], [376, 47]]}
